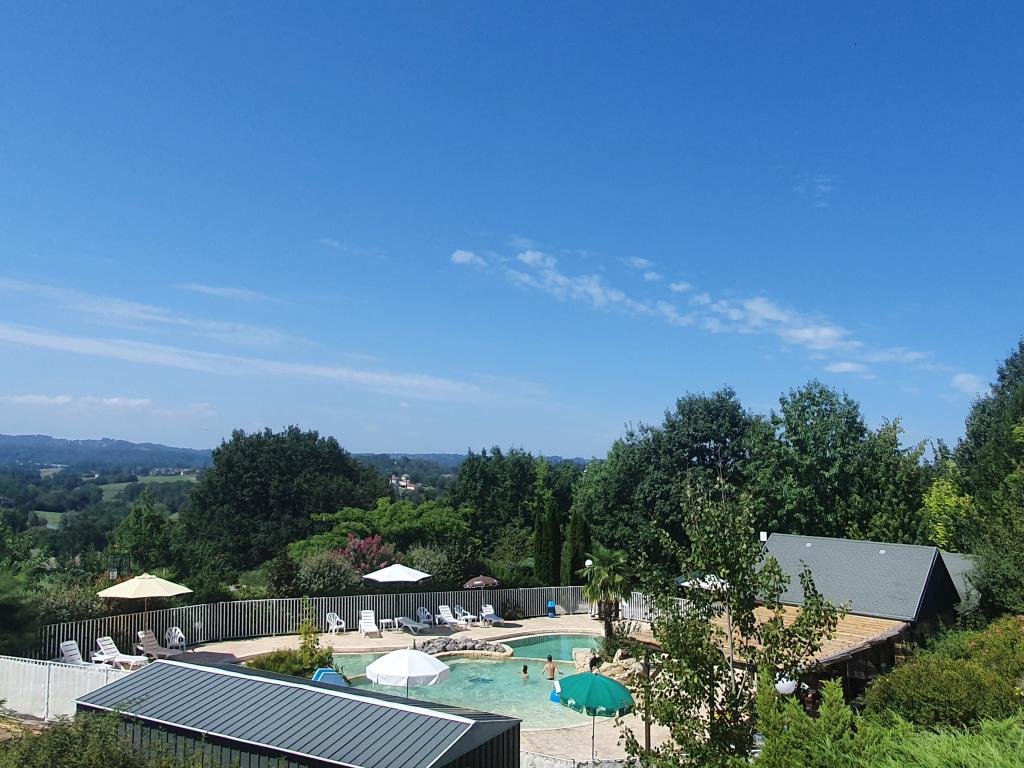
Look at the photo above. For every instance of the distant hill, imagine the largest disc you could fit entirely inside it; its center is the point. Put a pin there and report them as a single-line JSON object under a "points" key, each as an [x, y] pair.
{"points": [[96, 454]]}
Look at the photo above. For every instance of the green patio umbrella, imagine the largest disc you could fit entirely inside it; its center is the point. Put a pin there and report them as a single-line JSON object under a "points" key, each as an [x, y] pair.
{"points": [[595, 695]]}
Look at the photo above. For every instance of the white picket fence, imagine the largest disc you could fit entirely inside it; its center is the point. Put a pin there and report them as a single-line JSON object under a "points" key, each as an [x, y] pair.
{"points": [[262, 618], [48, 689]]}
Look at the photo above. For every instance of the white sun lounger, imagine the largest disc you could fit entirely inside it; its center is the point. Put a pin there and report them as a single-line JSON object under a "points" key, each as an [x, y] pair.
{"points": [[335, 623], [70, 653], [109, 654], [411, 624], [150, 647], [368, 624], [487, 614], [444, 613]]}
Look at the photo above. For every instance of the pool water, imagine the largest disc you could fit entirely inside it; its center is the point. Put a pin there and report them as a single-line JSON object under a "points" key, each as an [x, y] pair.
{"points": [[489, 685], [558, 647]]}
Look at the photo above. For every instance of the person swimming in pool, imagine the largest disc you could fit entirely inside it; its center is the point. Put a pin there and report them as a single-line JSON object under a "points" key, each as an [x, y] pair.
{"points": [[550, 670], [526, 672]]}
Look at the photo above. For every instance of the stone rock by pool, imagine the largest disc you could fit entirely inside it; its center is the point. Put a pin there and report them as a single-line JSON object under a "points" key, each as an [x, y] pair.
{"points": [[459, 644]]}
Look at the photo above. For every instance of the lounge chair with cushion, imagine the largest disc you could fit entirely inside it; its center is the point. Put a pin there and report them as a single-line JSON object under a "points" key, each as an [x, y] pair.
{"points": [[175, 638], [109, 654], [487, 614], [444, 615], [150, 647], [463, 615], [412, 625], [368, 624], [335, 623], [70, 653]]}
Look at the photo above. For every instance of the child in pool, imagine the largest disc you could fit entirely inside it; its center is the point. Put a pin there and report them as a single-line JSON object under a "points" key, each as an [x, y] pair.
{"points": [[526, 672]]}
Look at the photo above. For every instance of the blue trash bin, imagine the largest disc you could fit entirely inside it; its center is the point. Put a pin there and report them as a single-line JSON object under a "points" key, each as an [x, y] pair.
{"points": [[551, 609]]}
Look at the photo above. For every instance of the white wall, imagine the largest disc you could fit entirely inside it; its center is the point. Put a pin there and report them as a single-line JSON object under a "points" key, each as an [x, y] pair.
{"points": [[48, 689]]}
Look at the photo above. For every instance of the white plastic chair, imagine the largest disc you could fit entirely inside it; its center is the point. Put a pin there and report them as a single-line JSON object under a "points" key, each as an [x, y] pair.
{"points": [[335, 623], [175, 638], [444, 613], [423, 615], [463, 615], [368, 624]]}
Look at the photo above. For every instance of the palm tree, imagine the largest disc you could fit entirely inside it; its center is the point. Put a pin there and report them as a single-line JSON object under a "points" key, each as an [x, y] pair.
{"points": [[609, 578]]}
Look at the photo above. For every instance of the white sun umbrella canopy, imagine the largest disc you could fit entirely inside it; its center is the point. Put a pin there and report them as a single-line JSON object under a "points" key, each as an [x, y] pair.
{"points": [[142, 588], [397, 573], [407, 667]]}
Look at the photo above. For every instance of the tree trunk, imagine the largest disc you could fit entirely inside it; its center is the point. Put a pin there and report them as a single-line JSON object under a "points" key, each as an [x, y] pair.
{"points": [[606, 614]]}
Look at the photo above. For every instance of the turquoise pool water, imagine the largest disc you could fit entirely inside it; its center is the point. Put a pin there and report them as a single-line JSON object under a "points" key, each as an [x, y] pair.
{"points": [[558, 647], [490, 685]]}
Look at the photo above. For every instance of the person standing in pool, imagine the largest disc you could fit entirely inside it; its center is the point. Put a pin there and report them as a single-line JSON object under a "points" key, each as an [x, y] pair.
{"points": [[550, 670], [526, 672]]}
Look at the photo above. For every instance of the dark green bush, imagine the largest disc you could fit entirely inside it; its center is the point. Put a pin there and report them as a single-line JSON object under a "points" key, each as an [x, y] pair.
{"points": [[999, 647], [932, 691]]}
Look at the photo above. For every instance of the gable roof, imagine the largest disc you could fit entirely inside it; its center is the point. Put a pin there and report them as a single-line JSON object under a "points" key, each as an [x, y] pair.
{"points": [[960, 568], [297, 717], [890, 581]]}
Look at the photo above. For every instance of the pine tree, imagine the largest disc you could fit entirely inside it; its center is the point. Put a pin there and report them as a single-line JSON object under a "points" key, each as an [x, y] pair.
{"points": [[541, 563], [553, 540]]}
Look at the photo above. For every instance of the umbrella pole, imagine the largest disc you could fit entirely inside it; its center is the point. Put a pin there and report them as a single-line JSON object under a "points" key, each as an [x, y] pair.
{"points": [[593, 739]]}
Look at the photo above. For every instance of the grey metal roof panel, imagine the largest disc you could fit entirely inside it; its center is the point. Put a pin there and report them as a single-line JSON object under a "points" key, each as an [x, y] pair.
{"points": [[960, 567], [871, 578], [343, 726]]}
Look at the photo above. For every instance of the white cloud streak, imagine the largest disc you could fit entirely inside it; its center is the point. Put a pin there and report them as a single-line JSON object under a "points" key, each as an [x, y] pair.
{"points": [[680, 286], [638, 263], [60, 401], [225, 292], [468, 257], [968, 384], [651, 276], [136, 315], [848, 366], [411, 385]]}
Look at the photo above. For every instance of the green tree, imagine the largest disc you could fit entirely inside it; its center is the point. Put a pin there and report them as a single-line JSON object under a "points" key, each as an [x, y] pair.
{"points": [[497, 487], [609, 577], [732, 612], [574, 551], [265, 489], [948, 513], [19, 613], [327, 574], [144, 536]]}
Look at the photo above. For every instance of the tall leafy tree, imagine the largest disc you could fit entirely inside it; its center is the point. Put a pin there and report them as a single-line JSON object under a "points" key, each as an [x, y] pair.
{"points": [[145, 537], [732, 612], [574, 551], [265, 488]]}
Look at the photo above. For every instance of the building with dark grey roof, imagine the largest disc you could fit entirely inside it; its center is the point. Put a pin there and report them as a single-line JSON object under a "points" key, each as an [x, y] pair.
{"points": [[888, 581], [256, 719]]}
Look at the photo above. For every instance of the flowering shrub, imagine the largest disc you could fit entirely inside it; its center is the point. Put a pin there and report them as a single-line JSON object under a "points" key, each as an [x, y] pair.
{"points": [[367, 554]]}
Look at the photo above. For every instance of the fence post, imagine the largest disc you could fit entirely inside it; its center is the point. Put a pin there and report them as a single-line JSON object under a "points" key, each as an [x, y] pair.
{"points": [[46, 702]]}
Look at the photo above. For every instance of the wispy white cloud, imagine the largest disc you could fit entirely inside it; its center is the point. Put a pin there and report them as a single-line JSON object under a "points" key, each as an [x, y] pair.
{"points": [[137, 315], [651, 276], [848, 366], [468, 257], [670, 314], [52, 401], [36, 400], [330, 242], [968, 384], [815, 189], [226, 292], [411, 385], [351, 249], [680, 286], [638, 263]]}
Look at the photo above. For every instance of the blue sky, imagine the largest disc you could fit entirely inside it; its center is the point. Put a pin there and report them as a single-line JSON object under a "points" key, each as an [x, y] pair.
{"points": [[426, 227]]}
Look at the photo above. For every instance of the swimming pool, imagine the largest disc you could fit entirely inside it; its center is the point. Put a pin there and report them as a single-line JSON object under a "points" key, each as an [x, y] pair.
{"points": [[490, 685], [556, 646]]}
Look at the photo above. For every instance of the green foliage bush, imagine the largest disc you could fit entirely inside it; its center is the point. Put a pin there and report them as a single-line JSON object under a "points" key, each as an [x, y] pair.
{"points": [[301, 662], [999, 647], [932, 691], [88, 741], [327, 573]]}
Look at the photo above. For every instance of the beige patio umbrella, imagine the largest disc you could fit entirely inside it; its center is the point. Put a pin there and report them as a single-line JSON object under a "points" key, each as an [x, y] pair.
{"points": [[145, 586]]}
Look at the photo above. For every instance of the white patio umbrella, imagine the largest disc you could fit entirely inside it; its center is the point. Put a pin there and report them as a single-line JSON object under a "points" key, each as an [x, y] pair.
{"points": [[407, 667], [145, 586], [397, 573]]}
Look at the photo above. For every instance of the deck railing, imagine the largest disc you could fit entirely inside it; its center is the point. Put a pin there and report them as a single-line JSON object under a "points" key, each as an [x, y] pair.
{"points": [[260, 618], [46, 689]]}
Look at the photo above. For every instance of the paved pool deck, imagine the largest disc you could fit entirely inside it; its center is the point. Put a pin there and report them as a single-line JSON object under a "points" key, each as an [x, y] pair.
{"points": [[353, 642], [569, 743]]}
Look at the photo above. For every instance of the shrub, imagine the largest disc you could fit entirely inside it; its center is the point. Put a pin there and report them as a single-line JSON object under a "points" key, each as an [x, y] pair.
{"points": [[932, 691], [999, 647], [326, 574], [88, 741], [448, 566], [367, 554]]}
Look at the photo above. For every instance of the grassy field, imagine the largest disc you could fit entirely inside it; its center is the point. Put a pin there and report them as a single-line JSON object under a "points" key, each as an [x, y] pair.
{"points": [[110, 490], [52, 518]]}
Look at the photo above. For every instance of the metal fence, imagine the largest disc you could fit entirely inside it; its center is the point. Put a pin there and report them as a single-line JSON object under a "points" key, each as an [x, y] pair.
{"points": [[261, 618]]}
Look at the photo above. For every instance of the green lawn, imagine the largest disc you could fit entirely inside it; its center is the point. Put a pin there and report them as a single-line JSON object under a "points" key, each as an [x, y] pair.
{"points": [[51, 518], [110, 490]]}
